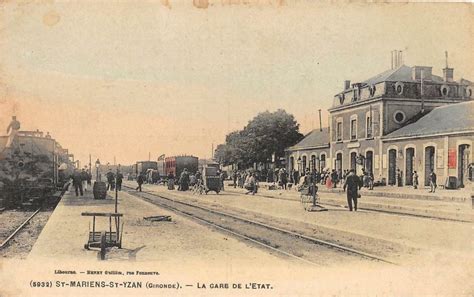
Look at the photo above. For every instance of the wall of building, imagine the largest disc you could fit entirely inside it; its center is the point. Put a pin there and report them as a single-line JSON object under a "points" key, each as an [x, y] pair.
{"points": [[319, 154], [408, 108], [360, 112], [445, 147]]}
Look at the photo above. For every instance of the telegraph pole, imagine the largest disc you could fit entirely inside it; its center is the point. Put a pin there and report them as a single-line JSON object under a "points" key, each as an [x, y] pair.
{"points": [[320, 121]]}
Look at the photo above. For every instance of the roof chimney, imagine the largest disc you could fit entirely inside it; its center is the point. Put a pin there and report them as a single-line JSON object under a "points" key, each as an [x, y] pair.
{"points": [[448, 73], [347, 85]]}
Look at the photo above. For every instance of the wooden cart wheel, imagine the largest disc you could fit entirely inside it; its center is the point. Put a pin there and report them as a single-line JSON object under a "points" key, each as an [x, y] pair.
{"points": [[102, 245]]}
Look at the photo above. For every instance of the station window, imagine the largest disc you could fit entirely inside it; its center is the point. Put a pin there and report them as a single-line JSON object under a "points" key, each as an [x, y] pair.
{"points": [[399, 116], [322, 162], [353, 129], [339, 131], [369, 127]]}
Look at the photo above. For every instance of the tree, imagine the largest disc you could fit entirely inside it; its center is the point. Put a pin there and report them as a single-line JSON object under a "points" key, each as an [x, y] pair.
{"points": [[266, 134], [271, 134]]}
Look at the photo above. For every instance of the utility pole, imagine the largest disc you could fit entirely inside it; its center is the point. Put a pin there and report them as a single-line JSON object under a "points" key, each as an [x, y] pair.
{"points": [[212, 151], [320, 121], [90, 165], [422, 92]]}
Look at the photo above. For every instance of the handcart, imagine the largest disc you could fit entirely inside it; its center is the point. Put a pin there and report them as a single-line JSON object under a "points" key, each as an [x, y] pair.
{"points": [[309, 198], [104, 239]]}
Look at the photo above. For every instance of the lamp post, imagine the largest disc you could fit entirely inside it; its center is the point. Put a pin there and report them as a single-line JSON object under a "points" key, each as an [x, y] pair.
{"points": [[97, 165]]}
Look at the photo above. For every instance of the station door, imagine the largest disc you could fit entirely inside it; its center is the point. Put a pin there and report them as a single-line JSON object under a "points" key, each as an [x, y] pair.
{"points": [[409, 160], [392, 166], [429, 163]]}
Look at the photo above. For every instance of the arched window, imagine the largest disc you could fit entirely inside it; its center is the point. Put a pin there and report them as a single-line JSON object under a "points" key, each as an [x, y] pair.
{"points": [[322, 162], [313, 163]]}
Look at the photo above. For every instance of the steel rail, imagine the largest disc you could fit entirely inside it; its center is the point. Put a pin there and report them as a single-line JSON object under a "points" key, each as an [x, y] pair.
{"points": [[18, 229], [288, 232], [222, 228]]}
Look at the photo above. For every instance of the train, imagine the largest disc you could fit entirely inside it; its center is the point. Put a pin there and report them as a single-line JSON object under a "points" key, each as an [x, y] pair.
{"points": [[141, 167], [32, 169], [176, 165]]}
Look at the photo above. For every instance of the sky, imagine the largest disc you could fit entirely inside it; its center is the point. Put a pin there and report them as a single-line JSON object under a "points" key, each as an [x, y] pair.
{"points": [[136, 78]]}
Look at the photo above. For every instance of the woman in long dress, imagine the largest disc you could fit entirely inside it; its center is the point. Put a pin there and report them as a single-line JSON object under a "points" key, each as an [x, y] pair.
{"points": [[171, 181]]}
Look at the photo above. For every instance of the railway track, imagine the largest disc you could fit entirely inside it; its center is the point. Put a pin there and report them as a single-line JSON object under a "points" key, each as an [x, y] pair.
{"points": [[20, 227], [286, 242]]}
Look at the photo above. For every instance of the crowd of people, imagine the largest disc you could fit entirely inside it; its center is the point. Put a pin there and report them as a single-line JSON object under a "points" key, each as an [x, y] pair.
{"points": [[249, 180]]}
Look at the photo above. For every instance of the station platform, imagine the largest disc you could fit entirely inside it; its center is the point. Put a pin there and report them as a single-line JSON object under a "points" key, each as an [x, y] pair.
{"points": [[391, 200], [178, 242], [405, 192]]}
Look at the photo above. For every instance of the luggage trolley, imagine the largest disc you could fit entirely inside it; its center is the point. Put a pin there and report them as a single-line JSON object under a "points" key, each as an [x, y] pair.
{"points": [[104, 239]]}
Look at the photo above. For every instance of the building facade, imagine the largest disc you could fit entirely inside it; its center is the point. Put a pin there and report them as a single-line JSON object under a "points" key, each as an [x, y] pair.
{"points": [[372, 124]]}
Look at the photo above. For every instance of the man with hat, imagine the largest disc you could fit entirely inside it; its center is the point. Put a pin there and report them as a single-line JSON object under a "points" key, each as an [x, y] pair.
{"points": [[353, 185]]}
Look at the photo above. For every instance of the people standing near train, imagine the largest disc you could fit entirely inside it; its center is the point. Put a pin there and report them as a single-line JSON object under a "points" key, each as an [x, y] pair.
{"points": [[433, 184], [170, 180], [222, 177], [296, 176], [84, 177], [89, 178], [242, 178], [234, 178], [415, 180], [198, 176], [118, 180], [250, 184], [334, 178], [140, 179], [399, 178], [283, 178], [110, 180], [77, 182], [328, 180], [184, 180], [371, 180], [352, 186]]}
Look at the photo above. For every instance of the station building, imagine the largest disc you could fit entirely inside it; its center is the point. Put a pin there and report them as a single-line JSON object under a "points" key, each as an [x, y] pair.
{"points": [[405, 118]]}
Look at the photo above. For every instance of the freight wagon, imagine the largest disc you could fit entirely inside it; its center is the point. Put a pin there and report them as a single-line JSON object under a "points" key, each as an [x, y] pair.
{"points": [[143, 166], [177, 164]]}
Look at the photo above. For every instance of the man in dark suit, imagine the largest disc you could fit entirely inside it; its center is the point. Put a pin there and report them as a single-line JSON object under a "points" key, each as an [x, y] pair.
{"points": [[77, 182], [353, 185]]}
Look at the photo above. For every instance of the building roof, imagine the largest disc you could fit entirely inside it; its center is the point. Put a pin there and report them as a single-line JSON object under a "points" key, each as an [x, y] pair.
{"points": [[402, 73], [455, 117], [314, 138]]}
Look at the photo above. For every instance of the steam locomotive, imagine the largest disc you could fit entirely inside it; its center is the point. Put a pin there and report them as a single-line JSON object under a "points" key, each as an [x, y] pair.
{"points": [[32, 169]]}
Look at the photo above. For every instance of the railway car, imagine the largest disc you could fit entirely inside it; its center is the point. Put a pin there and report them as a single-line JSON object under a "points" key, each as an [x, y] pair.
{"points": [[143, 166], [32, 169], [161, 168], [177, 164]]}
